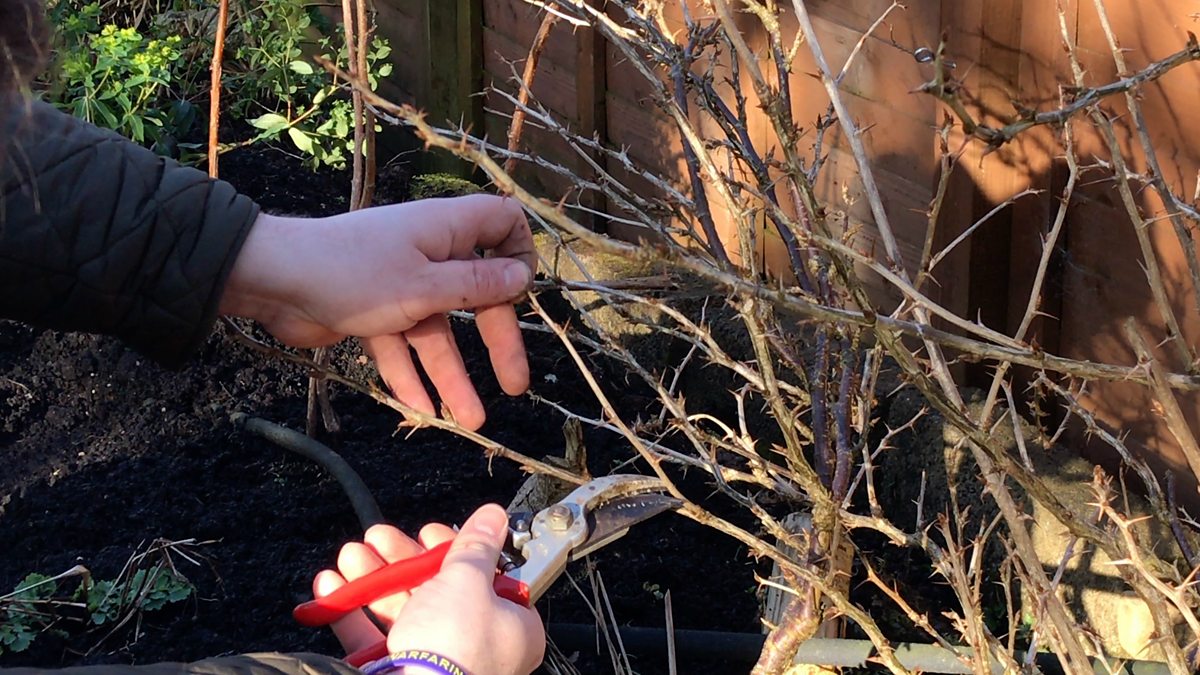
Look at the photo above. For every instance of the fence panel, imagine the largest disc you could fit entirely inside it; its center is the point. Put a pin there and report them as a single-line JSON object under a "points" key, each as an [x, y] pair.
{"points": [[1002, 49]]}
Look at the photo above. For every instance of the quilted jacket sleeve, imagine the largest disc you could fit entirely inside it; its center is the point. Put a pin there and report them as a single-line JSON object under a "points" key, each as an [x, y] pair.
{"points": [[245, 664], [98, 234]]}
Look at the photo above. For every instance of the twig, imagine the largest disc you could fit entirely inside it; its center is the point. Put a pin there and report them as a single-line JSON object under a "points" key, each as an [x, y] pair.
{"points": [[1170, 409], [1037, 359], [357, 169], [1181, 537], [214, 94], [1081, 99], [517, 126], [414, 418]]}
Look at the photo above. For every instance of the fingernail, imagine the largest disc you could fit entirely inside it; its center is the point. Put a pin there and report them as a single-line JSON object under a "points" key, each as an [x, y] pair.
{"points": [[490, 520], [516, 276]]}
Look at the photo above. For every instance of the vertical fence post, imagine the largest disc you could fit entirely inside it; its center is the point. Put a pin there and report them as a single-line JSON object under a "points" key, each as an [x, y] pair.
{"points": [[984, 39], [454, 34]]}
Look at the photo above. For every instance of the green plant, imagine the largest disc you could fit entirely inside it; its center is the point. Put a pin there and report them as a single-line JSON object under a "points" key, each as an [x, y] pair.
{"points": [[146, 590], [119, 83], [140, 68], [299, 100], [148, 582], [119, 78], [21, 613]]}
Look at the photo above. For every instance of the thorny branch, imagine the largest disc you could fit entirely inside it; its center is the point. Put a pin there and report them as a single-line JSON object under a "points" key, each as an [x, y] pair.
{"points": [[804, 350]]}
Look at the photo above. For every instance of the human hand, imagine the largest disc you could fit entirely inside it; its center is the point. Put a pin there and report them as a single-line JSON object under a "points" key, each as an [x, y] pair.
{"points": [[388, 275], [455, 614]]}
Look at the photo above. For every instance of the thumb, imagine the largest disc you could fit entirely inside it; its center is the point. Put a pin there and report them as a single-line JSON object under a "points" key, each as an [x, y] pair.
{"points": [[467, 284], [476, 548]]}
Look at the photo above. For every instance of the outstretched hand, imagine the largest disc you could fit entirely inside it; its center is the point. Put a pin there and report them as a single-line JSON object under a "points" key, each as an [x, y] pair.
{"points": [[456, 613], [388, 275]]}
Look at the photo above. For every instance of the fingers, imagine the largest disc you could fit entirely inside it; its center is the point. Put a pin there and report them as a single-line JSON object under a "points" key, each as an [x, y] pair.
{"points": [[355, 631], [480, 221], [467, 284], [434, 534], [382, 544], [506, 347], [458, 614], [434, 342], [390, 544], [476, 549], [358, 560], [394, 362]]}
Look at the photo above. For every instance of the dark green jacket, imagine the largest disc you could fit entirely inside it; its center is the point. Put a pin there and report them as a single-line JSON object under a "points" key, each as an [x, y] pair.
{"points": [[98, 234], [245, 664]]}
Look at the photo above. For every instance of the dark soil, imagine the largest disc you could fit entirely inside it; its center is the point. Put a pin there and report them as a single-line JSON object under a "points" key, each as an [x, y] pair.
{"points": [[103, 451]]}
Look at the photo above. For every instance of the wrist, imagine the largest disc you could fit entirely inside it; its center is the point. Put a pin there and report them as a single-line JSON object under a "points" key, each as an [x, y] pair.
{"points": [[261, 270], [414, 662]]}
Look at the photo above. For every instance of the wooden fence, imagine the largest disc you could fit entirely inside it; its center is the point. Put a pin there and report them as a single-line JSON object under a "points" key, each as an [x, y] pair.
{"points": [[447, 50]]}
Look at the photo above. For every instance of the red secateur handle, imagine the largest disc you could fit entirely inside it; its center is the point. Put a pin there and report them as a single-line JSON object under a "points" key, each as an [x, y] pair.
{"points": [[396, 577]]}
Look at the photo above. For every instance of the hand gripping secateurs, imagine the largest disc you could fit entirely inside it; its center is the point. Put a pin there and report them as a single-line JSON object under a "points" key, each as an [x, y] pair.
{"points": [[538, 549]]}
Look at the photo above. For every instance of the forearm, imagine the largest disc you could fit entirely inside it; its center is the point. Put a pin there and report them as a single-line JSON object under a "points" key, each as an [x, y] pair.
{"points": [[98, 234]]}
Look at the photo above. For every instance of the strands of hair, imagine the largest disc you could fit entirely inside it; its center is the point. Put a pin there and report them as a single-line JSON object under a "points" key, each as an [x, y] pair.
{"points": [[24, 48], [23, 42]]}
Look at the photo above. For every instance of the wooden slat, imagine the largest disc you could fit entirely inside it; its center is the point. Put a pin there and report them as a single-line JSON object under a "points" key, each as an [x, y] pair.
{"points": [[405, 33], [1104, 261], [554, 86], [648, 137], [984, 39], [455, 71], [519, 21], [591, 105], [881, 72], [455, 59], [1043, 63]]}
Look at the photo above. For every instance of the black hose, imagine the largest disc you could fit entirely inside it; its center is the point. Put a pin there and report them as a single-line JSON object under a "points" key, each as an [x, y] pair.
{"points": [[352, 484], [705, 644]]}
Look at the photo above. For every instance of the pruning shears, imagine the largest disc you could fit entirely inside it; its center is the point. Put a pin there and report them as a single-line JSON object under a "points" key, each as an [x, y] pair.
{"points": [[537, 551]]}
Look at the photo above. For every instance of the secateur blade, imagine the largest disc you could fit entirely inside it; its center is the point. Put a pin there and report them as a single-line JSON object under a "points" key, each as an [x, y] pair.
{"points": [[594, 514], [612, 519]]}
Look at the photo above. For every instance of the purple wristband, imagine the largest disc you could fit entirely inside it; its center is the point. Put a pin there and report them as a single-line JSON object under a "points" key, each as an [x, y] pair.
{"points": [[434, 663]]}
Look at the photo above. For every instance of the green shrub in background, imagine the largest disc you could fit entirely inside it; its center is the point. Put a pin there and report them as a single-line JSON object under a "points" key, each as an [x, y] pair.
{"points": [[140, 67], [291, 96], [116, 77]]}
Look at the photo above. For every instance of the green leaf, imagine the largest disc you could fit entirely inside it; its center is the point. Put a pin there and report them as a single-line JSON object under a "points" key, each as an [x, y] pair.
{"points": [[270, 122], [29, 588], [302, 67], [303, 141], [137, 129], [16, 637], [108, 118]]}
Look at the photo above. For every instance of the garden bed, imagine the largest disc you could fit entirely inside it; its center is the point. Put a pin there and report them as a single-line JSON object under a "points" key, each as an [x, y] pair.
{"points": [[104, 451]]}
